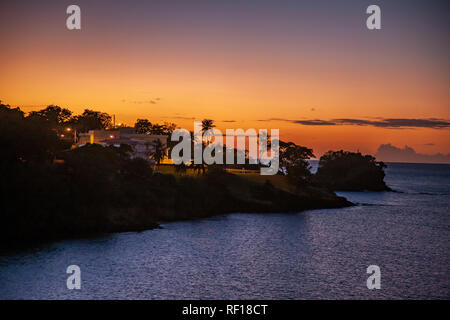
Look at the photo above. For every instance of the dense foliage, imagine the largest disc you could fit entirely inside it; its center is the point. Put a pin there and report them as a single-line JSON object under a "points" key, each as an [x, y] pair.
{"points": [[144, 126], [293, 160], [342, 170]]}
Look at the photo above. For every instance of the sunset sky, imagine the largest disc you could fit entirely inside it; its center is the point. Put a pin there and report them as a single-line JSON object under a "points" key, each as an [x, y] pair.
{"points": [[310, 68]]}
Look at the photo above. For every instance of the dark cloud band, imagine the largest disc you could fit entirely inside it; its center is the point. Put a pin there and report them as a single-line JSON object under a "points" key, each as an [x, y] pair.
{"points": [[390, 123]]}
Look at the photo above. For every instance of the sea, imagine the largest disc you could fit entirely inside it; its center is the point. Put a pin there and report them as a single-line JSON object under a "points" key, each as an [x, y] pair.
{"points": [[317, 254]]}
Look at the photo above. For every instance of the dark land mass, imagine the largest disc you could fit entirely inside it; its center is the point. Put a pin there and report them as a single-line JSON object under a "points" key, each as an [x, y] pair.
{"points": [[61, 202], [50, 191], [350, 171]]}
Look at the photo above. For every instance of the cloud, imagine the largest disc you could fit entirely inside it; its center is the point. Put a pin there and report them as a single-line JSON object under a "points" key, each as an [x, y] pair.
{"points": [[398, 123], [429, 144], [276, 119], [151, 101], [389, 123], [180, 117], [314, 122], [390, 153]]}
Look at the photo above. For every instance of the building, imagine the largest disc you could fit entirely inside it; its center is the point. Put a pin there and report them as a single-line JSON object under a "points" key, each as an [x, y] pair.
{"points": [[143, 145]]}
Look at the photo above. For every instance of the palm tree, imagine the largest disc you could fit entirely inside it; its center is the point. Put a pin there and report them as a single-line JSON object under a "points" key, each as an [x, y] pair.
{"points": [[206, 125], [159, 153]]}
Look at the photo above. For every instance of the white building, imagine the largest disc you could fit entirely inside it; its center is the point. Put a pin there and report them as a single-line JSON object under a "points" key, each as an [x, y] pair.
{"points": [[143, 145]]}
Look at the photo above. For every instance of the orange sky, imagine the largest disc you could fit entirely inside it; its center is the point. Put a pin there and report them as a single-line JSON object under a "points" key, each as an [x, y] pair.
{"points": [[241, 66]]}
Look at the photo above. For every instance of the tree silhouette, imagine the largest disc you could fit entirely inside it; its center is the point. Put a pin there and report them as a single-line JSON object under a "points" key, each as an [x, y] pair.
{"points": [[344, 170], [207, 124], [55, 115], [23, 139], [91, 120], [293, 159], [159, 153], [169, 128], [143, 126], [158, 129]]}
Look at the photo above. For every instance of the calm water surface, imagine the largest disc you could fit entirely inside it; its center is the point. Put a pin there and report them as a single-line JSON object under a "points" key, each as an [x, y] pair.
{"points": [[320, 254]]}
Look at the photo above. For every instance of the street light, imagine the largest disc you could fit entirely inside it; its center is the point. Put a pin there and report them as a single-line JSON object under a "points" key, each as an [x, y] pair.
{"points": [[68, 129]]}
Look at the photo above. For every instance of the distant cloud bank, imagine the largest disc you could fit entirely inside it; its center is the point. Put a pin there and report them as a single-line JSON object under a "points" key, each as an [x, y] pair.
{"points": [[389, 123], [390, 153]]}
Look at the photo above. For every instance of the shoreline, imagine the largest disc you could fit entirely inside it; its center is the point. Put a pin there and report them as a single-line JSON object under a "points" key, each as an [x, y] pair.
{"points": [[268, 199]]}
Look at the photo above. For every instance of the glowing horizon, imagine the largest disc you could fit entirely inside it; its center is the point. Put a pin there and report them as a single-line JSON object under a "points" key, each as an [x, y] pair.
{"points": [[241, 62]]}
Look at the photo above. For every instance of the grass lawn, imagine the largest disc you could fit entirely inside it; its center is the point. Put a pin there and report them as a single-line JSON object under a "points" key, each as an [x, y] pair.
{"points": [[170, 169], [253, 176], [278, 181]]}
